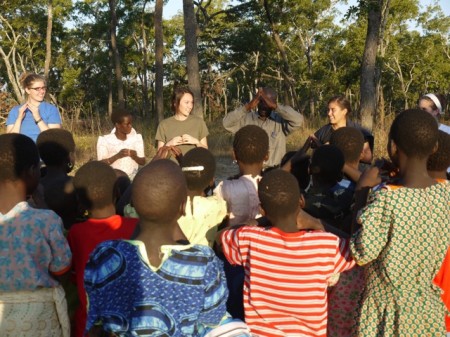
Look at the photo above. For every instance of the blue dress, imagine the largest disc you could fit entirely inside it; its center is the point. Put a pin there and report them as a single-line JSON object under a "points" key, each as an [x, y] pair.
{"points": [[184, 296]]}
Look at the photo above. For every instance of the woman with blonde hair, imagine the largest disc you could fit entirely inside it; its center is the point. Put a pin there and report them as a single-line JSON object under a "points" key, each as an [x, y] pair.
{"points": [[35, 115]]}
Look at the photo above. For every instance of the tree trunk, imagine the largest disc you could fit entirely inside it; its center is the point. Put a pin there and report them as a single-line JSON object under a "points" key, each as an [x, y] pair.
{"points": [[190, 36], [115, 51], [48, 45], [110, 85], [287, 74], [368, 99], [145, 103], [159, 53]]}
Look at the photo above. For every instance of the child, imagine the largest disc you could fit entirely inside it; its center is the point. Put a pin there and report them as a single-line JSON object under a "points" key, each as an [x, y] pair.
{"points": [[57, 151], [155, 283], [325, 198], [439, 162], [351, 143], [123, 148], [287, 270], [404, 236], [95, 187], [202, 214], [34, 250], [250, 149]]}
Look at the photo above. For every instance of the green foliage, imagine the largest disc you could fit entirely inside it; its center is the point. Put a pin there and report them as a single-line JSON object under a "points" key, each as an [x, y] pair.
{"points": [[237, 52]]}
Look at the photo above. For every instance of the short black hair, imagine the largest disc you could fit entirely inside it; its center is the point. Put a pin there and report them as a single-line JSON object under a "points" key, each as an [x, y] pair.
{"points": [[440, 160], [54, 146], [118, 115], [279, 193], [198, 166], [18, 153], [350, 141], [158, 191], [95, 184], [415, 132], [326, 165], [251, 144]]}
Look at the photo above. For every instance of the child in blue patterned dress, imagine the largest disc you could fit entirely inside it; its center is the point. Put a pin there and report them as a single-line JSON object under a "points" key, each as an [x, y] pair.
{"points": [[156, 283], [34, 251]]}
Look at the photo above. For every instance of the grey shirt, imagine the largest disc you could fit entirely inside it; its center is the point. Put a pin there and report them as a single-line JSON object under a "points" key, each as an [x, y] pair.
{"points": [[278, 125]]}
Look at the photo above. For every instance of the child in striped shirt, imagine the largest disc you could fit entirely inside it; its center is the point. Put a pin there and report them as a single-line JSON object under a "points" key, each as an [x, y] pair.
{"points": [[286, 270]]}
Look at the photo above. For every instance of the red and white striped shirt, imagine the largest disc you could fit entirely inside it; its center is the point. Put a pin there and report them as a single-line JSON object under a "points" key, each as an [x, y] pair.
{"points": [[286, 277]]}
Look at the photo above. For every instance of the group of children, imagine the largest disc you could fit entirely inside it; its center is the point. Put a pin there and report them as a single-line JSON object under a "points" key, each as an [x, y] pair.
{"points": [[309, 249]]}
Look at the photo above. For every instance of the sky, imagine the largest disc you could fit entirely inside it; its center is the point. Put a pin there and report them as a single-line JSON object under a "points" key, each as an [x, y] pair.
{"points": [[175, 6]]}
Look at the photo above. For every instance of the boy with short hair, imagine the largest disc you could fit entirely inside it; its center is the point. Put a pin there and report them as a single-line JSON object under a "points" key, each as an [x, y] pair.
{"points": [[157, 283], [250, 149], [286, 280], [95, 187]]}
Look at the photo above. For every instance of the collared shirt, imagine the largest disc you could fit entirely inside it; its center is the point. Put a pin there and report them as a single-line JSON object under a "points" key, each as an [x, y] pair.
{"points": [[278, 125]]}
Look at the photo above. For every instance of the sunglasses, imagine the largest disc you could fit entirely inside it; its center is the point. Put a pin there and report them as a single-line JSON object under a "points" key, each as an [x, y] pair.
{"points": [[39, 88]]}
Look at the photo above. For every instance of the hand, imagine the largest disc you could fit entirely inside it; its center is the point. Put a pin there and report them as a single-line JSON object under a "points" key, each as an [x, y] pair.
{"points": [[22, 109], [188, 139], [253, 103], [166, 152], [178, 140], [306, 221], [34, 110], [132, 154], [314, 142], [387, 168], [123, 153], [268, 101], [369, 178]]}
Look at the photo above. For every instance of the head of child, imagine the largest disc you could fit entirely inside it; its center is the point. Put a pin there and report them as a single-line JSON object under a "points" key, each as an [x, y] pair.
{"points": [[338, 110], [182, 102], [251, 149], [159, 194], [280, 199], [434, 104], [413, 134], [439, 161], [95, 187], [198, 166], [123, 122], [326, 166], [19, 163], [34, 85], [351, 142], [57, 149], [299, 168]]}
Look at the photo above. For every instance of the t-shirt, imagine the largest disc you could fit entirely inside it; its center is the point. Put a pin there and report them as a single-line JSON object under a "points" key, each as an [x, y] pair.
{"points": [[325, 132], [180, 297], [171, 128], [202, 217], [286, 277], [32, 246], [241, 196], [49, 114], [83, 237], [109, 145]]}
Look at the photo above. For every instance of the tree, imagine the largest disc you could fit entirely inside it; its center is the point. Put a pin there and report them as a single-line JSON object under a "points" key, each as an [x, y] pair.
{"points": [[115, 53], [159, 53], [190, 36], [48, 43], [368, 90]]}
